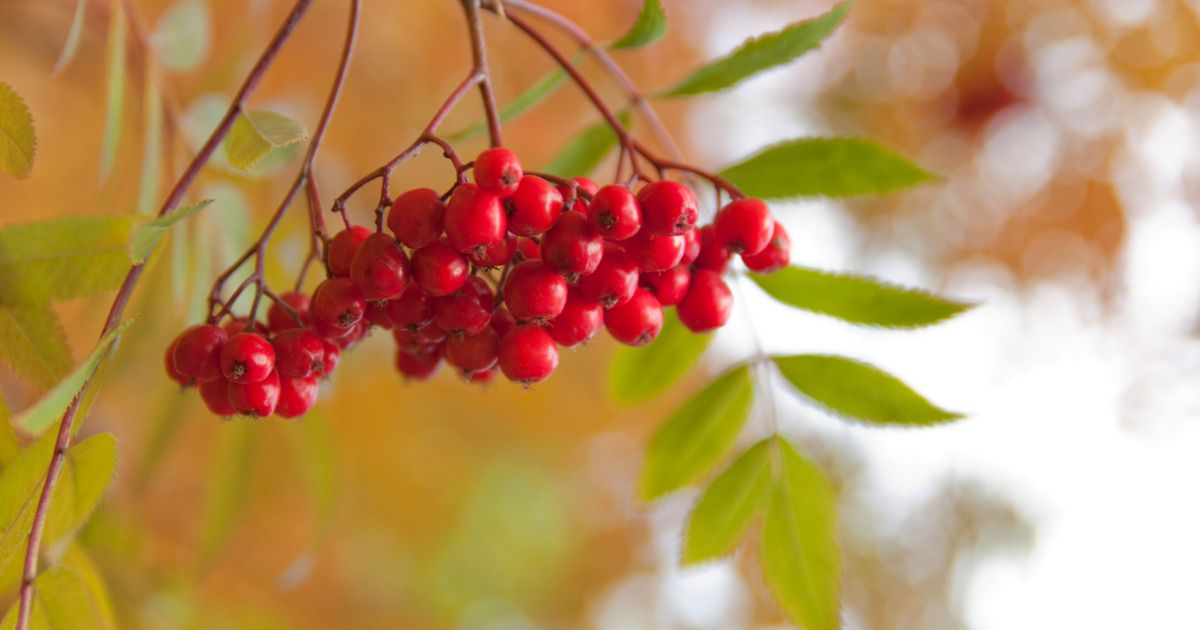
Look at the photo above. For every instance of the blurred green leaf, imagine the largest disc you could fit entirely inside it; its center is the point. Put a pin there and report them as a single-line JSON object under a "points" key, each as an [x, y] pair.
{"points": [[255, 134], [18, 142], [698, 434], [71, 43], [637, 374], [727, 506], [114, 77], [167, 420], [650, 26], [151, 144], [585, 151], [311, 448], [857, 299], [858, 390], [228, 487], [760, 53], [523, 102], [823, 167], [63, 258], [182, 35], [800, 557], [33, 343], [146, 236], [79, 561], [62, 600]]}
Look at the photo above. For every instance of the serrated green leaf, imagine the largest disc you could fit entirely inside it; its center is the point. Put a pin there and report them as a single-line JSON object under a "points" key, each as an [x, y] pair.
{"points": [[585, 151], [728, 505], [33, 343], [79, 561], [760, 53], [71, 43], [182, 35], [114, 80], [228, 489], [858, 390], [522, 103], [823, 167], [637, 374], [650, 26], [146, 236], [50, 408], [800, 557], [151, 145], [255, 134], [63, 258], [62, 600], [857, 299], [18, 142], [698, 434]]}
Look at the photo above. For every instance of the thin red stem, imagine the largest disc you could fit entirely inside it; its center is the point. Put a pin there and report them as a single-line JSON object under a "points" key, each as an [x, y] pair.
{"points": [[480, 65]]}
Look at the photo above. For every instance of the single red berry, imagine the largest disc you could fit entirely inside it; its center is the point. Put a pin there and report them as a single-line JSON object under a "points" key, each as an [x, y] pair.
{"points": [[296, 396], [337, 305], [691, 246], [498, 171], [534, 292], [330, 357], [472, 353], [668, 286], [439, 269], [198, 352], [613, 282], [668, 208], [534, 207], [332, 332], [483, 377], [380, 268], [343, 246], [713, 256], [474, 218], [636, 322], [528, 355], [571, 247], [708, 302], [379, 314], [247, 358], [355, 335], [418, 366], [775, 256], [215, 395], [236, 325], [655, 253], [503, 321], [527, 249], [412, 309], [578, 322], [615, 213], [298, 353], [466, 311], [416, 217], [744, 226], [172, 373], [257, 400], [495, 254], [422, 339], [278, 318], [431, 334]]}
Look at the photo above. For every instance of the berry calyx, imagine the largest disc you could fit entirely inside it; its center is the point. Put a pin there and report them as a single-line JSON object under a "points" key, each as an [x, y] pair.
{"points": [[708, 302], [438, 269], [534, 207], [668, 208], [744, 226], [652, 252], [636, 322], [495, 254], [278, 317], [534, 292], [571, 247], [613, 282], [474, 218], [668, 286], [256, 400], [614, 212], [528, 355], [775, 256], [343, 246], [298, 353], [578, 322], [415, 217], [498, 171], [198, 352], [247, 358], [338, 306], [466, 311]]}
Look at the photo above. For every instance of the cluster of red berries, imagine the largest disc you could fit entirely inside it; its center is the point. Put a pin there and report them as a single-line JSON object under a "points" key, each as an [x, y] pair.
{"points": [[575, 256]]}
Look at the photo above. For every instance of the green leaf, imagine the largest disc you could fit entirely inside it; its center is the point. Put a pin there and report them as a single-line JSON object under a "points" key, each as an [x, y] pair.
{"points": [[698, 434], [857, 390], [311, 448], [151, 144], [167, 420], [585, 152], [63, 258], [637, 374], [228, 488], [823, 167], [760, 53], [62, 600], [18, 143], [33, 343], [650, 26], [78, 560], [857, 299], [254, 134], [800, 557], [182, 35], [50, 408], [727, 506], [114, 74], [147, 236], [71, 44], [523, 102]]}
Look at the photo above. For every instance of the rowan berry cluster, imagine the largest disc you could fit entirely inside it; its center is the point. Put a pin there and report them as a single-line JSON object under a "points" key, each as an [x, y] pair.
{"points": [[574, 257]]}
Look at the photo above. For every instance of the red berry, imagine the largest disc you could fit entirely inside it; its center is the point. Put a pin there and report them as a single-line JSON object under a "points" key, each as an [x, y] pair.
{"points": [[298, 353], [247, 358], [380, 268], [236, 325], [691, 246], [416, 217], [528, 355], [483, 377], [423, 339], [585, 189], [466, 311], [579, 321], [503, 321], [775, 256], [278, 318], [472, 353], [636, 322], [613, 282], [474, 218], [534, 207], [744, 226], [337, 305], [172, 373], [655, 253], [439, 269], [571, 247], [353, 336], [215, 395], [379, 314], [498, 171], [198, 352], [668, 286], [430, 334], [330, 357], [615, 213], [418, 366], [257, 400], [412, 309], [527, 249], [708, 302], [296, 396], [343, 246], [668, 208], [534, 292], [713, 256], [495, 254]]}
